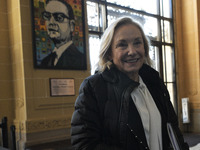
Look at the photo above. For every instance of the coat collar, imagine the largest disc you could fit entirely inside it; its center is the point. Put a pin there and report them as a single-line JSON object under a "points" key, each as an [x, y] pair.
{"points": [[148, 74], [118, 78]]}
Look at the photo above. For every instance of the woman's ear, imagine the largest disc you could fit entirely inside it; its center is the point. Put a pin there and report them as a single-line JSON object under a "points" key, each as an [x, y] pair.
{"points": [[110, 57]]}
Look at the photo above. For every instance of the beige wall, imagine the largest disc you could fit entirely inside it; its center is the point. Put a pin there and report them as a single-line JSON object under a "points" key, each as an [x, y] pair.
{"points": [[6, 75], [187, 58], [24, 91], [25, 94]]}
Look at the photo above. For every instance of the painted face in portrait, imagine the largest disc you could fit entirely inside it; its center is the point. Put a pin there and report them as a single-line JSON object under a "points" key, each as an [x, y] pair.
{"points": [[128, 53], [58, 24]]}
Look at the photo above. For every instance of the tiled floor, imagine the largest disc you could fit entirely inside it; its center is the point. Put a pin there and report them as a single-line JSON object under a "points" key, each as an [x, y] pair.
{"points": [[61, 145], [191, 138]]}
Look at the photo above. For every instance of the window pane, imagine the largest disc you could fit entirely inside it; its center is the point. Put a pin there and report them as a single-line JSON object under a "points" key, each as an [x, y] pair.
{"points": [[150, 6], [166, 8], [164, 64], [168, 58], [94, 51], [114, 13], [149, 24], [171, 89], [166, 32], [151, 28], [170, 64], [94, 16], [154, 55]]}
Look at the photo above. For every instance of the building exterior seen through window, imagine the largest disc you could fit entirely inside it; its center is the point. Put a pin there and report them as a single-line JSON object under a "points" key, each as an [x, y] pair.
{"points": [[157, 21]]}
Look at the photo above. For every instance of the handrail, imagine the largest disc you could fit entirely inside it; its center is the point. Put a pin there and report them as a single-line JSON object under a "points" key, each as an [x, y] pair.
{"points": [[4, 132], [13, 137]]}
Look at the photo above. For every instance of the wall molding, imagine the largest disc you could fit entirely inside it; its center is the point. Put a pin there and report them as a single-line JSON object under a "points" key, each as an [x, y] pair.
{"points": [[37, 125], [47, 124], [42, 106]]}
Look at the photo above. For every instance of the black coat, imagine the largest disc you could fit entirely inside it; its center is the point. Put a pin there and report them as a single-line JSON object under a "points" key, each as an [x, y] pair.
{"points": [[105, 117]]}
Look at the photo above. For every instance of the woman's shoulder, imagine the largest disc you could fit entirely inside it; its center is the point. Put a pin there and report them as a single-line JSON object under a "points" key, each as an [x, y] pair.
{"points": [[93, 80]]}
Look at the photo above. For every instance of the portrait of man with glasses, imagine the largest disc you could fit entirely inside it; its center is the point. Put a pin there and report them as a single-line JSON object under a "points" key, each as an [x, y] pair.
{"points": [[60, 25]]}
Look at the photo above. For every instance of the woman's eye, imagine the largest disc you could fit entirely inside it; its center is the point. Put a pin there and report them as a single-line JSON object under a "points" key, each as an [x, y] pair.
{"points": [[121, 45], [137, 42]]}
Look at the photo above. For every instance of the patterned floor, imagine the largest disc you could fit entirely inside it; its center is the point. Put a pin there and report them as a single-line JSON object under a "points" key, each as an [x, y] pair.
{"points": [[191, 138]]}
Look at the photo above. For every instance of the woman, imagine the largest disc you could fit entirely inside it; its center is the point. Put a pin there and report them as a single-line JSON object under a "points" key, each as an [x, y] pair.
{"points": [[125, 106]]}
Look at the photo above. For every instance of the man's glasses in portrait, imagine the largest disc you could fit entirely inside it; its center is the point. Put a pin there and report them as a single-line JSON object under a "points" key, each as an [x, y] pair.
{"points": [[59, 17]]}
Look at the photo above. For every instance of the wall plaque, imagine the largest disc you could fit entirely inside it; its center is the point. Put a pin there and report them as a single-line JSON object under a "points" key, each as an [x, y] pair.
{"points": [[62, 87]]}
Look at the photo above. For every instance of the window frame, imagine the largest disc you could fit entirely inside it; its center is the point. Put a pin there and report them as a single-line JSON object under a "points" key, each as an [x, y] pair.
{"points": [[157, 43]]}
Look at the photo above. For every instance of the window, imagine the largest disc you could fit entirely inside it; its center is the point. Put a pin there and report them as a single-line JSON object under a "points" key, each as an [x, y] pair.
{"points": [[157, 21]]}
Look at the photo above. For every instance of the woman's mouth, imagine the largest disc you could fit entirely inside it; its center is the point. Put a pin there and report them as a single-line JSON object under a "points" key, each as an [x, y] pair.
{"points": [[131, 60]]}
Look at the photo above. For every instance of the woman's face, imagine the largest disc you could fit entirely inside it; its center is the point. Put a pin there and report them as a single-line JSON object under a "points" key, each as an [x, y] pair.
{"points": [[128, 52]]}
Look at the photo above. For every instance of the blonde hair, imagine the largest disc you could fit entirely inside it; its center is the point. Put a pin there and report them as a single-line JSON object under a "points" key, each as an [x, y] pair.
{"points": [[106, 40]]}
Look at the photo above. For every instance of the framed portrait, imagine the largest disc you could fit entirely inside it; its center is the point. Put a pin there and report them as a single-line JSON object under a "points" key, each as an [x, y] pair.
{"points": [[59, 34]]}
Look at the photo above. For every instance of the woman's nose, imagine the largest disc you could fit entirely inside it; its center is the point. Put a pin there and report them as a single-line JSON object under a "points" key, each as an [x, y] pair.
{"points": [[131, 50]]}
